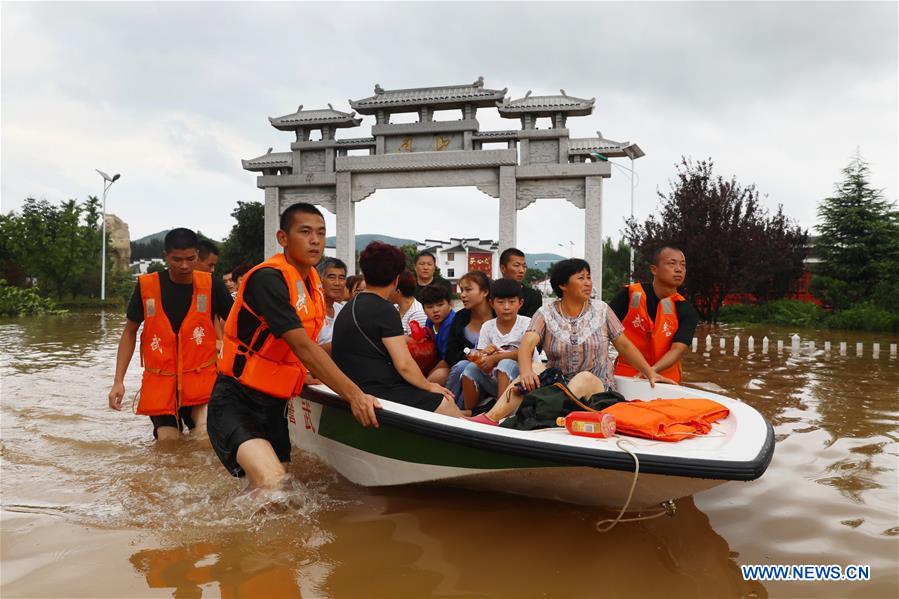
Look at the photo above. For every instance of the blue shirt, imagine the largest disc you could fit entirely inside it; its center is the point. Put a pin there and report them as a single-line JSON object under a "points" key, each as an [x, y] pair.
{"points": [[440, 335]]}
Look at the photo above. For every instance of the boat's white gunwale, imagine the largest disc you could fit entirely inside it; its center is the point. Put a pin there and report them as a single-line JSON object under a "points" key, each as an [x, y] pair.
{"points": [[566, 449], [738, 438]]}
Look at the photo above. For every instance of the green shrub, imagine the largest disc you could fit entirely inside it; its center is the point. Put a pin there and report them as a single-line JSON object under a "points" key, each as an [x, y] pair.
{"points": [[93, 303], [18, 301], [865, 317], [740, 313], [782, 312], [793, 313]]}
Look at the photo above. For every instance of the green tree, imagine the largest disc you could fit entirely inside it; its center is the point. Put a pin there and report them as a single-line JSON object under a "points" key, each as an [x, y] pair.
{"points": [[11, 269], [533, 275], [147, 250], [616, 264], [246, 241], [726, 235], [53, 246], [88, 282], [410, 249], [858, 243]]}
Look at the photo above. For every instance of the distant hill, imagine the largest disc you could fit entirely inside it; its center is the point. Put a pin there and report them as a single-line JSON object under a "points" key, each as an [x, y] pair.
{"points": [[151, 245], [364, 239], [542, 261], [148, 239]]}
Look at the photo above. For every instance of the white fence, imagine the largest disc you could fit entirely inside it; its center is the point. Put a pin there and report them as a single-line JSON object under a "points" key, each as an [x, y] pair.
{"points": [[796, 345]]}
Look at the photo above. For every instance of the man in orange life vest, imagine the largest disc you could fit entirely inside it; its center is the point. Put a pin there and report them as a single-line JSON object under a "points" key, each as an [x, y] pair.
{"points": [[656, 318], [177, 346], [270, 341]]}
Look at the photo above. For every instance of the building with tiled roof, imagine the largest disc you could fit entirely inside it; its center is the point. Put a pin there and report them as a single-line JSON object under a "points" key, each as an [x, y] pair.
{"points": [[438, 98], [543, 106], [586, 147], [459, 255], [269, 163], [313, 119]]}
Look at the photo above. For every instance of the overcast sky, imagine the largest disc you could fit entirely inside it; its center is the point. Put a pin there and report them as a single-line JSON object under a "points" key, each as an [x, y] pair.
{"points": [[173, 95]]}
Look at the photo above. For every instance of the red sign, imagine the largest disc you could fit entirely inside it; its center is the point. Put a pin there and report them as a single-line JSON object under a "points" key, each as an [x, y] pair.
{"points": [[482, 261]]}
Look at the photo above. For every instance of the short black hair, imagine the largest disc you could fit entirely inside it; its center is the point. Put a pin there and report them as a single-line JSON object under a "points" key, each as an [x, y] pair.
{"points": [[331, 263], [381, 263], [505, 288], [287, 215], [420, 255], [434, 294], [656, 254], [564, 270], [180, 239], [206, 247], [406, 283], [240, 270], [507, 255]]}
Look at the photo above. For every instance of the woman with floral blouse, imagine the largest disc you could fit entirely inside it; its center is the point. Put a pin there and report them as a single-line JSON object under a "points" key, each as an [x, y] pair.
{"points": [[575, 332]]}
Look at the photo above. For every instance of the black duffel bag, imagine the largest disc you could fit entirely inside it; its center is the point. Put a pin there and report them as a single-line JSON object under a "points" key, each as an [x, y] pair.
{"points": [[541, 407]]}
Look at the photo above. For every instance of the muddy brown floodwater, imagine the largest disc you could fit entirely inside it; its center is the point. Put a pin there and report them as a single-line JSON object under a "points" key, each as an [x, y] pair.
{"points": [[92, 508]]}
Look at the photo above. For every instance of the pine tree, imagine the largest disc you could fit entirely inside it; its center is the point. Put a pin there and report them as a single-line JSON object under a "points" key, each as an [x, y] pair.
{"points": [[858, 242]]}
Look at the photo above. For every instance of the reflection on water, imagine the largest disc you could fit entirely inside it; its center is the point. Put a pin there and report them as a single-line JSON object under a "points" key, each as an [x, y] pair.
{"points": [[419, 554], [176, 524]]}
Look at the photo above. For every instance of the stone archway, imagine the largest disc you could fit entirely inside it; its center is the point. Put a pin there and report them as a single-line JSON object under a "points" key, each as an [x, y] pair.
{"points": [[536, 163]]}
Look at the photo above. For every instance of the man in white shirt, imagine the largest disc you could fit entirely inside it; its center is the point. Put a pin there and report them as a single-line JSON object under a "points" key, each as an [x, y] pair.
{"points": [[333, 275]]}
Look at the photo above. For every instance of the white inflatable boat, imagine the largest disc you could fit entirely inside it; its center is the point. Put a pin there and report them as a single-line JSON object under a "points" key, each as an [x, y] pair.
{"points": [[413, 446]]}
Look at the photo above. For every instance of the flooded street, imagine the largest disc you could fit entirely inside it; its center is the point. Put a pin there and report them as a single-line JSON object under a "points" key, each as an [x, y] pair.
{"points": [[93, 508]]}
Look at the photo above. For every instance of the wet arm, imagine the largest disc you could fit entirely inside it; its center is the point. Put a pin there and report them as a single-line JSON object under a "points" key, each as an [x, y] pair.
{"points": [[529, 343], [127, 342], [633, 356], [671, 357]]}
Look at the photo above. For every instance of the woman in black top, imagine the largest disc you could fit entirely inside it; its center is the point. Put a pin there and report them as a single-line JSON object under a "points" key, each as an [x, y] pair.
{"points": [[369, 345]]}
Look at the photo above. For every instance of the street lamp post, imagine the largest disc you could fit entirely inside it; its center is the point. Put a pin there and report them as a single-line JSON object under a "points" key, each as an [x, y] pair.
{"points": [[107, 183], [631, 175], [570, 248]]}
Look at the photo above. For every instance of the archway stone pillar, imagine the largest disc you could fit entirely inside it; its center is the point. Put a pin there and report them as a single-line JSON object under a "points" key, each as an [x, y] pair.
{"points": [[508, 208], [346, 222], [593, 229], [272, 212]]}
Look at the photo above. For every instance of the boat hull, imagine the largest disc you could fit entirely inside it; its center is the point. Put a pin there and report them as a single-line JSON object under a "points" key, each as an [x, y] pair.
{"points": [[406, 450]]}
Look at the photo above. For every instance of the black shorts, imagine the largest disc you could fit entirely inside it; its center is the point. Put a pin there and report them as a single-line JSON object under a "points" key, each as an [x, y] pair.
{"points": [[186, 420], [237, 414]]}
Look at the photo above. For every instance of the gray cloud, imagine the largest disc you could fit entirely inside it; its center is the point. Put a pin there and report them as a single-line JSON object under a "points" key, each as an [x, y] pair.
{"points": [[778, 93]]}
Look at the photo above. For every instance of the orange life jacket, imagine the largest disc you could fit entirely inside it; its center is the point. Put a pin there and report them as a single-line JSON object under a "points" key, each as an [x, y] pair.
{"points": [[262, 361], [666, 419], [652, 336], [179, 369]]}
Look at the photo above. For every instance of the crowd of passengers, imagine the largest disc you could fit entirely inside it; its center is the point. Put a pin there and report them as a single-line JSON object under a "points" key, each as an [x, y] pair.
{"points": [[485, 349], [228, 366]]}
